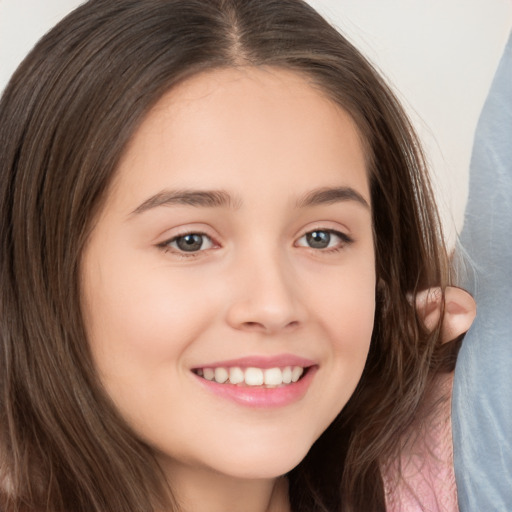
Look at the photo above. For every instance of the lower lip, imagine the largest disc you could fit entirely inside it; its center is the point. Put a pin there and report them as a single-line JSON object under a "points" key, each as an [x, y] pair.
{"points": [[261, 397]]}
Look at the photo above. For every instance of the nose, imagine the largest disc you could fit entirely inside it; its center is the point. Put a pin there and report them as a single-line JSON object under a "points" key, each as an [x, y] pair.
{"points": [[264, 295]]}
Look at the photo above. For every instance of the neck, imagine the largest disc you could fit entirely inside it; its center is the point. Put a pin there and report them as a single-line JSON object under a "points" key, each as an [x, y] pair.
{"points": [[202, 490]]}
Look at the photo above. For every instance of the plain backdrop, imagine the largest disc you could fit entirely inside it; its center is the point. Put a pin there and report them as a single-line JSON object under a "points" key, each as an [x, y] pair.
{"points": [[439, 55]]}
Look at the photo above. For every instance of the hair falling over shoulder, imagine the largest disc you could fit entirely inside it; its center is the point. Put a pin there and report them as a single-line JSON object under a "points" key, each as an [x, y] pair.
{"points": [[65, 119]]}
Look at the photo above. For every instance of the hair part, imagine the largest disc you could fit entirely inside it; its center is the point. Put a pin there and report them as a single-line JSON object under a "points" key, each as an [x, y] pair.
{"points": [[66, 117]]}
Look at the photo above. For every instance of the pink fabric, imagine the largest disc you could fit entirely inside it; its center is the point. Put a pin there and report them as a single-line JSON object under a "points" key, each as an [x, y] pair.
{"points": [[423, 479]]}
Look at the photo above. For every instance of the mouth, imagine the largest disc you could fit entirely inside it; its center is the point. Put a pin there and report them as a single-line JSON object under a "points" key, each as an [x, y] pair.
{"points": [[259, 382], [252, 376]]}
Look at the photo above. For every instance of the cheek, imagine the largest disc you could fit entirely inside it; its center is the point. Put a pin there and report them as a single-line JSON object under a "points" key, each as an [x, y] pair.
{"points": [[139, 330], [358, 312], [351, 331], [137, 320], [346, 303], [347, 311]]}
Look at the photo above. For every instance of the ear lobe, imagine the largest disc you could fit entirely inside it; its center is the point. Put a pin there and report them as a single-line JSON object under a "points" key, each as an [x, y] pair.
{"points": [[459, 311]]}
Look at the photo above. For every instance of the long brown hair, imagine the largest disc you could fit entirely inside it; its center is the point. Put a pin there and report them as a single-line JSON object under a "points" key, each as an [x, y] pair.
{"points": [[65, 118]]}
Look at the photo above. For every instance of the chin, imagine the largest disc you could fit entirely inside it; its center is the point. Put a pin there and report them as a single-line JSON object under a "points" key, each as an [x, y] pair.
{"points": [[262, 465]]}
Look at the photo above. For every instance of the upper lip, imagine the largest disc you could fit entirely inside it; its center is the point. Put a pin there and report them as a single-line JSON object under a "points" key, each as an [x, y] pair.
{"points": [[258, 361]]}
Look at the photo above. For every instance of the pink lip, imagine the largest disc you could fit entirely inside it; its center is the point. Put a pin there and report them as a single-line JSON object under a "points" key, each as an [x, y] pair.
{"points": [[279, 361], [261, 397]]}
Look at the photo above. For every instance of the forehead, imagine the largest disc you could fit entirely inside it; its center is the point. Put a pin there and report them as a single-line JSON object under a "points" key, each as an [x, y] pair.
{"points": [[242, 125]]}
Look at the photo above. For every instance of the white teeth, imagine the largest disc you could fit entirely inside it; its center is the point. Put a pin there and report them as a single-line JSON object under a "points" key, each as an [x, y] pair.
{"points": [[254, 376], [296, 373], [236, 375], [208, 373], [221, 375], [287, 375], [271, 377]]}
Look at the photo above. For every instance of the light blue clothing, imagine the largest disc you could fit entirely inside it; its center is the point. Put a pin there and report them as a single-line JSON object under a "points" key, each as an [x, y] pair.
{"points": [[482, 399]]}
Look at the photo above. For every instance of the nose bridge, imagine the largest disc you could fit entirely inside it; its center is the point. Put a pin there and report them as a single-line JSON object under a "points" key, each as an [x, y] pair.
{"points": [[264, 292]]}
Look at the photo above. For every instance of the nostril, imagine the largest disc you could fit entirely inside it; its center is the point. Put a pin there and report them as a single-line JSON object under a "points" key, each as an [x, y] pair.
{"points": [[261, 326], [252, 325]]}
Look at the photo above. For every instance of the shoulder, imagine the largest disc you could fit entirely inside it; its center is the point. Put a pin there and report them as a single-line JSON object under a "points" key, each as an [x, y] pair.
{"points": [[422, 478]]}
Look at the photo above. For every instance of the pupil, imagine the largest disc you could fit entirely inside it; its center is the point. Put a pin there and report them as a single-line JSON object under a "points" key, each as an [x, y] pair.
{"points": [[190, 243], [318, 239]]}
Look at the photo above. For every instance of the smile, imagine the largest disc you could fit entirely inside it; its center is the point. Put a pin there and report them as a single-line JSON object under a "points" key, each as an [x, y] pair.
{"points": [[258, 381], [252, 376]]}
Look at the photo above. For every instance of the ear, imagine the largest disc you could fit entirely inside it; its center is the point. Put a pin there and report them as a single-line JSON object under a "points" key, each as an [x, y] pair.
{"points": [[459, 310]]}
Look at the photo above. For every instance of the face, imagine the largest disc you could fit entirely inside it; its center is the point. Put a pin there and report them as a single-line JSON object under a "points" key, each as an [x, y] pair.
{"points": [[229, 282]]}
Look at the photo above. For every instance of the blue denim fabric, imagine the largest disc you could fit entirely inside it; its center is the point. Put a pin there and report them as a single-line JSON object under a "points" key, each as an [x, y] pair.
{"points": [[482, 399]]}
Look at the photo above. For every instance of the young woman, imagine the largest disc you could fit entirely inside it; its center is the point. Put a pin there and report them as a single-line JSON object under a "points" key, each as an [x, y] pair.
{"points": [[215, 225]]}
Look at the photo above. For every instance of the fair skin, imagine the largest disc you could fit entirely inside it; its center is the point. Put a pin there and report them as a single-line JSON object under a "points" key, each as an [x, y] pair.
{"points": [[236, 239], [273, 270]]}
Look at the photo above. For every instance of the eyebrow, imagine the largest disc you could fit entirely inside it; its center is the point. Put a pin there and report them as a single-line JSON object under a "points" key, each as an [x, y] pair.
{"points": [[199, 198], [222, 199], [329, 195]]}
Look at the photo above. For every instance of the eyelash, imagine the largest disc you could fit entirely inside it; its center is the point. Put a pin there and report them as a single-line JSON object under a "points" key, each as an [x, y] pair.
{"points": [[344, 241], [165, 246]]}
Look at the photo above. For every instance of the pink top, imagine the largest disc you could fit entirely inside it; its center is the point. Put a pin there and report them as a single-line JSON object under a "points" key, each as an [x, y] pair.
{"points": [[423, 479]]}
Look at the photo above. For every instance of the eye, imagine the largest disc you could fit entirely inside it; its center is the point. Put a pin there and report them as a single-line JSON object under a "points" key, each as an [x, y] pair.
{"points": [[324, 239], [190, 242]]}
